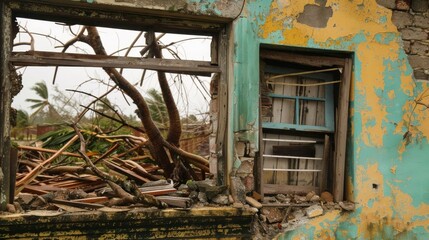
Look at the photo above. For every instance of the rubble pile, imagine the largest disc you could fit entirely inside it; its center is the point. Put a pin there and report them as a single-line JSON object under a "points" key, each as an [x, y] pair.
{"points": [[283, 213], [61, 179]]}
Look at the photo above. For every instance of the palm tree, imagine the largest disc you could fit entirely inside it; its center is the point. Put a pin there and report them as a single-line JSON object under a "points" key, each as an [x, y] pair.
{"points": [[158, 110], [41, 90], [22, 119]]}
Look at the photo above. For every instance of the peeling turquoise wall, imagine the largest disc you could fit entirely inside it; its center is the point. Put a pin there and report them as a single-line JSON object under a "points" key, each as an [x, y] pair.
{"points": [[382, 106]]}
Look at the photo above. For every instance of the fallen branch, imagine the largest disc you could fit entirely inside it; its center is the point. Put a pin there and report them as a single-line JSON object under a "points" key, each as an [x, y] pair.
{"points": [[115, 184]]}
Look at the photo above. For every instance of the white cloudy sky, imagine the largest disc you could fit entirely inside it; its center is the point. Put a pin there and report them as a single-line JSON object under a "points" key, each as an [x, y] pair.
{"points": [[188, 96]]}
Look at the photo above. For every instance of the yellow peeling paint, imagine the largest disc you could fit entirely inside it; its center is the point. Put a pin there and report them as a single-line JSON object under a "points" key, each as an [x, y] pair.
{"points": [[391, 94], [337, 25], [393, 169], [373, 201]]}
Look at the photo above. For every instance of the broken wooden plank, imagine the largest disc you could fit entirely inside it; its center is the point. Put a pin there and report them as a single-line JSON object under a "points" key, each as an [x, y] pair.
{"points": [[341, 131], [183, 202], [40, 58], [33, 190], [78, 204], [42, 167], [92, 200], [130, 174]]}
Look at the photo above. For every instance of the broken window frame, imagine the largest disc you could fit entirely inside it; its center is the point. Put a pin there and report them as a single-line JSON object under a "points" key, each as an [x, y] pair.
{"points": [[338, 163], [113, 18]]}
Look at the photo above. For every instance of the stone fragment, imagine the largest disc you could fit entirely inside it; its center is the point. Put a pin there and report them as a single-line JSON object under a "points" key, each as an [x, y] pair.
{"points": [[314, 211], [38, 202], [299, 199], [238, 190], [273, 214], [421, 21], [10, 208], [202, 197], [403, 5], [402, 19], [310, 195], [281, 198], [231, 200], [407, 46], [411, 34], [193, 195], [419, 48], [221, 199], [315, 198], [348, 206], [237, 205], [212, 191], [419, 5], [327, 197], [419, 61], [245, 169], [77, 194], [183, 187], [298, 213], [391, 4], [18, 207], [249, 183], [25, 198], [420, 74], [240, 148], [253, 202]]}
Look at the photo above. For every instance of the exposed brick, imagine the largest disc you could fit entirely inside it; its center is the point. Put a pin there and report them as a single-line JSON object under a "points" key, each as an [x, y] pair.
{"points": [[407, 46], [420, 74], [418, 62], [402, 19], [421, 21], [419, 5], [245, 168], [419, 48], [249, 183], [403, 5], [387, 3], [410, 34]]}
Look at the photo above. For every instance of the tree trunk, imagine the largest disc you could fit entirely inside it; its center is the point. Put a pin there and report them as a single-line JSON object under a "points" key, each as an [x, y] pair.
{"points": [[154, 135]]}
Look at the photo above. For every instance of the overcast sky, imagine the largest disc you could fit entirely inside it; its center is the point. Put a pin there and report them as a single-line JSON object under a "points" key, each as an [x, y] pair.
{"points": [[187, 93]]}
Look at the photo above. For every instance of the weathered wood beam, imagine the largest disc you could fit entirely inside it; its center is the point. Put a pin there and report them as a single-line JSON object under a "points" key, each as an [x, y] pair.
{"points": [[315, 61], [5, 101], [103, 15], [38, 58]]}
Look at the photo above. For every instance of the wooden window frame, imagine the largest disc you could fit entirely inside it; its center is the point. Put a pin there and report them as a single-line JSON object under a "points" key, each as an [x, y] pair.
{"points": [[319, 59], [114, 18]]}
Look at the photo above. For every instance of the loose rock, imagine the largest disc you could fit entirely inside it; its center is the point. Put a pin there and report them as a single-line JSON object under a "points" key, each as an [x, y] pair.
{"points": [[314, 211], [273, 214], [327, 197], [348, 206], [221, 199]]}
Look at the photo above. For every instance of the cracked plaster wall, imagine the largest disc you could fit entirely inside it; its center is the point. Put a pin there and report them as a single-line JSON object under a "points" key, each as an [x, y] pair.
{"points": [[387, 168]]}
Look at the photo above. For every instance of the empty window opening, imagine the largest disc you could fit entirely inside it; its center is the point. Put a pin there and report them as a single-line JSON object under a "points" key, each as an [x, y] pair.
{"points": [[67, 78]]}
